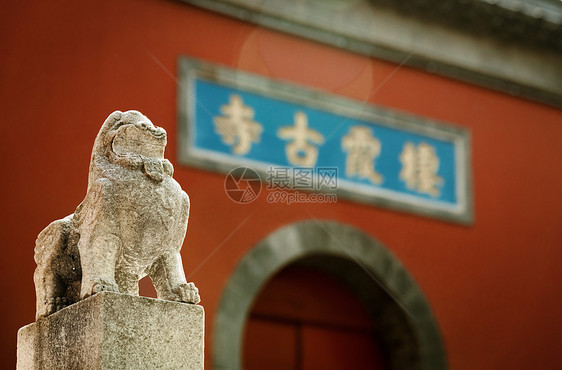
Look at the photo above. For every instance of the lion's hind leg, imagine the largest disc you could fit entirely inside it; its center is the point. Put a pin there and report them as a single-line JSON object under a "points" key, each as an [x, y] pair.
{"points": [[48, 289], [49, 286]]}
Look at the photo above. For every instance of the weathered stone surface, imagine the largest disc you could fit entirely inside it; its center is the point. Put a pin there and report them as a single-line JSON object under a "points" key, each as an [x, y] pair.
{"points": [[115, 331], [131, 223]]}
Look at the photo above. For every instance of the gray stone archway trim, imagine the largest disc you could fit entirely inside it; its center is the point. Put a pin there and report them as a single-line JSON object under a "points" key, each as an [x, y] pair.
{"points": [[304, 239]]}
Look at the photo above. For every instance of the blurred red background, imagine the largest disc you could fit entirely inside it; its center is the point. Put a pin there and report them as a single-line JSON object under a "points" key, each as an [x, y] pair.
{"points": [[494, 287]]}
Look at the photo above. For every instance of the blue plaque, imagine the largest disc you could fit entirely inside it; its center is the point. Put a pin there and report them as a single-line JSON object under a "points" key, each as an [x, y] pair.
{"points": [[230, 118]]}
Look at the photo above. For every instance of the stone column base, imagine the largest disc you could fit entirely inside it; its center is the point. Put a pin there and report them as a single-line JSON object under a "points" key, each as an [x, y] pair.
{"points": [[115, 331]]}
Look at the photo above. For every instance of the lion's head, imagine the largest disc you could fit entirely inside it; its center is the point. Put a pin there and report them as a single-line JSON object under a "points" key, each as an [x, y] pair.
{"points": [[131, 140]]}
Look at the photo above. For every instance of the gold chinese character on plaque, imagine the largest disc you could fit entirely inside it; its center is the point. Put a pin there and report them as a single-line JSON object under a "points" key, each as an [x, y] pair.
{"points": [[420, 165], [362, 150], [236, 126], [300, 151]]}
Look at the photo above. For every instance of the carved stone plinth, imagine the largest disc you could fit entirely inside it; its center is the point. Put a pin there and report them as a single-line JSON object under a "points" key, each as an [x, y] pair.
{"points": [[115, 331]]}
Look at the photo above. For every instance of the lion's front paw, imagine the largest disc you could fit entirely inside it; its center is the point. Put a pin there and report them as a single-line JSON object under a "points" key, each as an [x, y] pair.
{"points": [[187, 293], [100, 285]]}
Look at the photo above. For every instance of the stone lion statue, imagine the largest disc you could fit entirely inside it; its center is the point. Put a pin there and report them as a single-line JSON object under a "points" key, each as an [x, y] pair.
{"points": [[131, 223]]}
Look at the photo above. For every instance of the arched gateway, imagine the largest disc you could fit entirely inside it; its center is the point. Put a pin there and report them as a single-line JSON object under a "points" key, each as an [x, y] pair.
{"points": [[406, 327]]}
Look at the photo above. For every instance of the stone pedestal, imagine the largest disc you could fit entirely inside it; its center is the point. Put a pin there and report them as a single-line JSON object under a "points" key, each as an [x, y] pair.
{"points": [[115, 331]]}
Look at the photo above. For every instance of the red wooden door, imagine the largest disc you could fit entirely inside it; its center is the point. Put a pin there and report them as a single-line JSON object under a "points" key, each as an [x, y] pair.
{"points": [[306, 319]]}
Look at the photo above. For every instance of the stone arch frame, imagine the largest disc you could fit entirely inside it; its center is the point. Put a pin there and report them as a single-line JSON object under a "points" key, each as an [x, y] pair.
{"points": [[299, 241]]}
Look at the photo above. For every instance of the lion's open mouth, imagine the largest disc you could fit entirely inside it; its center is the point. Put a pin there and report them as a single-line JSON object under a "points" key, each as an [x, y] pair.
{"points": [[157, 132], [144, 140]]}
